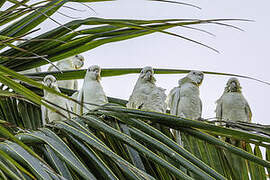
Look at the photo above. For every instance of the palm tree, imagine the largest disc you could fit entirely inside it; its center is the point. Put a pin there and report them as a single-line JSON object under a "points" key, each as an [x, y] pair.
{"points": [[94, 146]]}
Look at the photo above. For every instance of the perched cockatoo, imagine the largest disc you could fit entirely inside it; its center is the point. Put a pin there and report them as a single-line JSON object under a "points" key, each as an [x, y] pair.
{"points": [[91, 92], [146, 95], [48, 115], [184, 100], [28, 71], [232, 106], [71, 63]]}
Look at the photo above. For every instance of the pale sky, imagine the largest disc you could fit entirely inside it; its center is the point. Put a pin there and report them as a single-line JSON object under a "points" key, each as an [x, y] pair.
{"points": [[244, 53]]}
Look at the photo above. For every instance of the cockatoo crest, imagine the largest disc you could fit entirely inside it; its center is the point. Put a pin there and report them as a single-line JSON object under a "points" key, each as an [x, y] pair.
{"points": [[233, 85]]}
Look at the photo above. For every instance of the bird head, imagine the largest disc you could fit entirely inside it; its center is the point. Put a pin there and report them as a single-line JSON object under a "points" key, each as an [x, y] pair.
{"points": [[195, 77], [50, 81], [93, 72], [147, 74], [78, 61], [233, 85]]}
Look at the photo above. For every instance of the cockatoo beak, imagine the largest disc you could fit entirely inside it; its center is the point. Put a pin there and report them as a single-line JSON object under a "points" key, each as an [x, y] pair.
{"points": [[233, 86], [148, 75], [200, 80], [48, 83], [97, 73], [80, 64]]}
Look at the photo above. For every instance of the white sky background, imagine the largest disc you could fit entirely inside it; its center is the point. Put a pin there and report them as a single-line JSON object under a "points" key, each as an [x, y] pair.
{"points": [[245, 53]]}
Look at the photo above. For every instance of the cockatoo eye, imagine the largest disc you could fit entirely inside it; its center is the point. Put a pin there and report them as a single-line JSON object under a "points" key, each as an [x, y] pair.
{"points": [[76, 56]]}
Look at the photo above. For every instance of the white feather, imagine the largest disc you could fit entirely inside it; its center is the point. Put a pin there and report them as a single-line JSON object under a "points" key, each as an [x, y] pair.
{"points": [[71, 63], [232, 105], [184, 100], [91, 92], [146, 95], [49, 116]]}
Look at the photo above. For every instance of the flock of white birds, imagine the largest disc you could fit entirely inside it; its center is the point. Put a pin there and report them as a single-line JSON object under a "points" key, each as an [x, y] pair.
{"points": [[183, 100]]}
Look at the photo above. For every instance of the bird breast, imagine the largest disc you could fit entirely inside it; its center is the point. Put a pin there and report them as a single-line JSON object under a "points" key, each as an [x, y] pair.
{"points": [[233, 100], [93, 91], [189, 89], [234, 107], [190, 102]]}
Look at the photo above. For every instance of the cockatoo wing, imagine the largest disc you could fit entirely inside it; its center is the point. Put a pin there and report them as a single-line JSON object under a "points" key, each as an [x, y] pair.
{"points": [[137, 100], [248, 112], [156, 100], [75, 85], [219, 109], [44, 115], [73, 105], [68, 108], [79, 107], [173, 100], [200, 108]]}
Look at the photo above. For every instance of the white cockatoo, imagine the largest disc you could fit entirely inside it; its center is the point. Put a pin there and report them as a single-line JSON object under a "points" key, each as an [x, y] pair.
{"points": [[232, 106], [28, 71], [48, 115], [146, 95], [184, 101], [91, 92], [71, 63]]}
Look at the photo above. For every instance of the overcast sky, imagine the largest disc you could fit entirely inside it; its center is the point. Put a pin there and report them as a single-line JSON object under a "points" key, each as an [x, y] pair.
{"points": [[245, 53]]}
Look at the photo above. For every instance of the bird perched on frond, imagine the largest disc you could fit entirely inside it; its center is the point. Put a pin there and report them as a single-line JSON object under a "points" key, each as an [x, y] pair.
{"points": [[146, 95], [91, 92], [47, 114], [70, 63], [184, 101], [232, 105]]}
